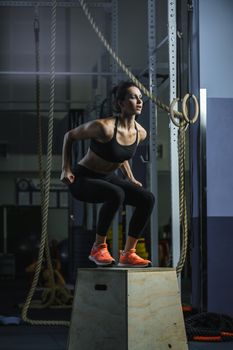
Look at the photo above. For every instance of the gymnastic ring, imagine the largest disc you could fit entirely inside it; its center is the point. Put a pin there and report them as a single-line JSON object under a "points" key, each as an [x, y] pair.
{"points": [[185, 109], [172, 105]]}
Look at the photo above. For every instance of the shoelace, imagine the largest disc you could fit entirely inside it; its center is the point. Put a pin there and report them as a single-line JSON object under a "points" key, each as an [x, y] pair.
{"points": [[103, 251], [134, 255]]}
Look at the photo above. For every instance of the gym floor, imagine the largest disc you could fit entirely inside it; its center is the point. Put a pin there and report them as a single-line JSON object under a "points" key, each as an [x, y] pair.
{"points": [[26, 337], [55, 338]]}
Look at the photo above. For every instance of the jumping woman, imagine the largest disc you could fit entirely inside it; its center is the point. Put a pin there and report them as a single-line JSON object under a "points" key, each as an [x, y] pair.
{"points": [[113, 142]]}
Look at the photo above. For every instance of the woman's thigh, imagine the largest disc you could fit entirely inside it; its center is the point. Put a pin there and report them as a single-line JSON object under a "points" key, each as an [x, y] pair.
{"points": [[94, 190], [134, 195]]}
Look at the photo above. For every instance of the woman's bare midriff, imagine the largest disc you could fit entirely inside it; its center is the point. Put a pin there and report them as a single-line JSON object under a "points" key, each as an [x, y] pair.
{"points": [[95, 163]]}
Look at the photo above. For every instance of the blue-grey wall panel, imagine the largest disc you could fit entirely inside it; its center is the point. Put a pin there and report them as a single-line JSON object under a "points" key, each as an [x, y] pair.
{"points": [[212, 258], [220, 263], [195, 260], [216, 49], [220, 157]]}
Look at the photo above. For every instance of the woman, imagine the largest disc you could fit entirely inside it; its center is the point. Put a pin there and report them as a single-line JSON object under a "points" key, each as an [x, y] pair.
{"points": [[113, 141]]}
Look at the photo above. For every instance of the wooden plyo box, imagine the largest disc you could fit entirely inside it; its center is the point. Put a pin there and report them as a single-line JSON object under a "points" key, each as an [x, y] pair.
{"points": [[127, 309]]}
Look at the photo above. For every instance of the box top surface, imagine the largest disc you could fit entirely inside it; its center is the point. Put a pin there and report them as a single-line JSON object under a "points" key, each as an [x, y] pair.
{"points": [[128, 270]]}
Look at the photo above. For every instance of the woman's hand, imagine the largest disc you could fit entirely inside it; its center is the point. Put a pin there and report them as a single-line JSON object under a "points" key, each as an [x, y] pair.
{"points": [[67, 177], [134, 181], [127, 172]]}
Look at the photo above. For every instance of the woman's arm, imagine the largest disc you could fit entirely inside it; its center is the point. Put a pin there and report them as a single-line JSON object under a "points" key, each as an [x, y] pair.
{"points": [[142, 133], [67, 176], [93, 129], [126, 170]]}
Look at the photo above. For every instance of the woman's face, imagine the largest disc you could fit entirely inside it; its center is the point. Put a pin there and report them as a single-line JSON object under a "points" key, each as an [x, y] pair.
{"points": [[132, 103]]}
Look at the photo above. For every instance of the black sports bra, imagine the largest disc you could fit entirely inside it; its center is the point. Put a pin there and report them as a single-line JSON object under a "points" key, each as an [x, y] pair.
{"points": [[111, 150]]}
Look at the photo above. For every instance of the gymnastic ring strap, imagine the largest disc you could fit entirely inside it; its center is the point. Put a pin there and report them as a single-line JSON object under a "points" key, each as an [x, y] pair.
{"points": [[185, 109], [172, 113]]}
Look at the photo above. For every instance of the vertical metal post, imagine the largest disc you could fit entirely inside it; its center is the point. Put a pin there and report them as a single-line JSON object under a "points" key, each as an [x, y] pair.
{"points": [[89, 216], [203, 267], [128, 214], [68, 56], [175, 221], [4, 230], [153, 128], [114, 70], [114, 40]]}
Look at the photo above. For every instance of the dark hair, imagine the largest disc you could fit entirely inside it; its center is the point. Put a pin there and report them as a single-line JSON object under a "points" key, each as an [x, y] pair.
{"points": [[119, 92]]}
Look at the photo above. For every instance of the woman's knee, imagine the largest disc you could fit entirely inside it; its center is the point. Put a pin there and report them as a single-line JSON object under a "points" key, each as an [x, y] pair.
{"points": [[118, 196], [149, 200]]}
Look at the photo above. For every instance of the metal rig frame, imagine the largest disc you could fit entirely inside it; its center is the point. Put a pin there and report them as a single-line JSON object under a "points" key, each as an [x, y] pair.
{"points": [[153, 128], [152, 49], [175, 215]]}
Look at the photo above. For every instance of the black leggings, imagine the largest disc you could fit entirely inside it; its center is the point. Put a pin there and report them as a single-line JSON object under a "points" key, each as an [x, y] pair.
{"points": [[113, 191]]}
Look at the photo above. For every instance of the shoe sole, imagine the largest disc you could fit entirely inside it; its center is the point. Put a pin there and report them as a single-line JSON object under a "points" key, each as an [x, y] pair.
{"points": [[130, 265], [100, 263]]}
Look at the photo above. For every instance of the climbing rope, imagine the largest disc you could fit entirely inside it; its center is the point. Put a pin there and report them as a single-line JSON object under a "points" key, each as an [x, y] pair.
{"points": [[45, 187], [182, 197], [182, 124], [128, 72], [120, 63], [40, 144]]}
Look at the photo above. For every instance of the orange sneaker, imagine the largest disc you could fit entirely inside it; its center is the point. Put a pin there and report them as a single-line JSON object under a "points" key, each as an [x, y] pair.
{"points": [[131, 259], [100, 255]]}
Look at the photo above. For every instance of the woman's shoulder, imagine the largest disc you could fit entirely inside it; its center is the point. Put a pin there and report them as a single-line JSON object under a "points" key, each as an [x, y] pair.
{"points": [[104, 122], [106, 125], [107, 120], [142, 132], [140, 127]]}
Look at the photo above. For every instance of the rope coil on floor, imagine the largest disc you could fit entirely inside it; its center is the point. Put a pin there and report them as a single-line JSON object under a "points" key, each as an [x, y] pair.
{"points": [[209, 327]]}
